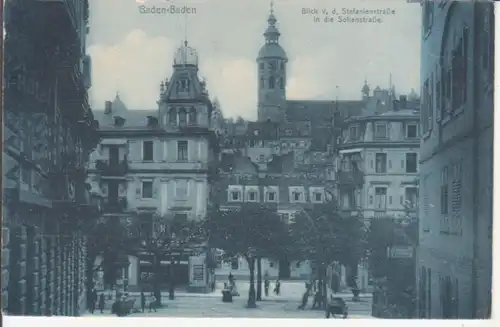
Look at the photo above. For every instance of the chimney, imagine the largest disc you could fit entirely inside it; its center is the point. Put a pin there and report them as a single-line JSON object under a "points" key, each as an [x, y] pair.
{"points": [[107, 107], [395, 105], [152, 121], [403, 101]]}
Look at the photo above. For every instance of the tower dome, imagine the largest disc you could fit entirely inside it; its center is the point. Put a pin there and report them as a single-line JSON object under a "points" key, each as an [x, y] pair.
{"points": [[185, 55], [272, 48]]}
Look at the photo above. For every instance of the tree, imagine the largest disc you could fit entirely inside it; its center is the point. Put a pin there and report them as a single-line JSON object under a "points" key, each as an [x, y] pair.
{"points": [[322, 234], [394, 276], [165, 238], [250, 232]]}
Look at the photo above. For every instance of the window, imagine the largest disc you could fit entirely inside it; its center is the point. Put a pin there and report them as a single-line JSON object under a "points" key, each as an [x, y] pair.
{"points": [[282, 65], [271, 82], [381, 163], [181, 188], [380, 198], [487, 53], [235, 196], [411, 131], [353, 133], [147, 150], [411, 163], [282, 82], [296, 196], [459, 71], [271, 196], [182, 117], [261, 65], [444, 191], [380, 131], [261, 83], [288, 132], [348, 200], [427, 112], [428, 15], [411, 197], [147, 189], [456, 198], [182, 150], [318, 197], [252, 196], [192, 116], [172, 116]]}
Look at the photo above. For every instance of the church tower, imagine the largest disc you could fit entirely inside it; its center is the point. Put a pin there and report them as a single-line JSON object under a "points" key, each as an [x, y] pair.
{"points": [[271, 65]]}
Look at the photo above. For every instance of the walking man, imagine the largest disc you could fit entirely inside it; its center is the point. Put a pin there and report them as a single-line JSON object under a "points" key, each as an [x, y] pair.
{"points": [[93, 300], [143, 301], [101, 302]]}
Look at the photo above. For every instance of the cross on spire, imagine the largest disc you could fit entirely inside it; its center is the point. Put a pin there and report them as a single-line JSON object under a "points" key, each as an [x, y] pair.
{"points": [[272, 6]]}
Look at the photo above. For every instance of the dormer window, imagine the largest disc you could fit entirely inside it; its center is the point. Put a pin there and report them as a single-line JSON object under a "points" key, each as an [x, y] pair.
{"points": [[119, 121], [192, 116], [282, 65], [318, 197], [182, 117], [152, 121], [271, 82], [252, 196], [172, 116], [271, 196], [296, 196], [381, 131], [235, 196]]}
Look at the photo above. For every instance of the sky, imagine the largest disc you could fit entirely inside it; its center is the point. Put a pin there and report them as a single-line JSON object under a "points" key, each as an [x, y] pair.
{"points": [[132, 52]]}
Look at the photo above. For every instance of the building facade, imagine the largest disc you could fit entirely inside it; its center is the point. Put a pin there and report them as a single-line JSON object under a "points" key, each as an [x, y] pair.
{"points": [[159, 162], [456, 155], [378, 162], [49, 131]]}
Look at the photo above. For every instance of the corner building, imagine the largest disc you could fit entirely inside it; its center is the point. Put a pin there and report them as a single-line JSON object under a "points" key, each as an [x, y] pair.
{"points": [[454, 267], [159, 162]]}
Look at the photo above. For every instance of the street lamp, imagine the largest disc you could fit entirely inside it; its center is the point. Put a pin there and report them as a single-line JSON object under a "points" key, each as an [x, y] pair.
{"points": [[251, 293]]}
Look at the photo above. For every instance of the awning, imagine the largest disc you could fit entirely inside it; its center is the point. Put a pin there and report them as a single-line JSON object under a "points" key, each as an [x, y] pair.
{"points": [[106, 141], [347, 151]]}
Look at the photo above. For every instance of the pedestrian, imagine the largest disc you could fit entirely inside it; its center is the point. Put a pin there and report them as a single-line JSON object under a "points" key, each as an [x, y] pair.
{"points": [[153, 303], [101, 302], [317, 300], [93, 300], [143, 301], [266, 287], [277, 287], [305, 298]]}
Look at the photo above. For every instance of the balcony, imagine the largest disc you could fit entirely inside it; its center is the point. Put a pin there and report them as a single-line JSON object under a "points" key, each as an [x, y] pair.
{"points": [[353, 178], [117, 205], [108, 168]]}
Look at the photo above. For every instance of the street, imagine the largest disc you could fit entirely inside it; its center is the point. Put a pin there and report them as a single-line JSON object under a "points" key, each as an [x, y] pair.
{"points": [[210, 305]]}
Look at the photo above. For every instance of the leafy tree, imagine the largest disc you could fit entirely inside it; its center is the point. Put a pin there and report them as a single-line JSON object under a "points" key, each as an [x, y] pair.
{"points": [[165, 238], [322, 234], [250, 232]]}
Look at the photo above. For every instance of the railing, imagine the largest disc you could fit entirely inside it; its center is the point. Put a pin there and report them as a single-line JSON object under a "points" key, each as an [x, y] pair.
{"points": [[108, 168]]}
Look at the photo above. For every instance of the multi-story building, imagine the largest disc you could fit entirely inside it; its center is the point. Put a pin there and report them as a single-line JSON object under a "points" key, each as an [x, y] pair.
{"points": [[378, 161], [456, 160], [49, 131], [159, 162]]}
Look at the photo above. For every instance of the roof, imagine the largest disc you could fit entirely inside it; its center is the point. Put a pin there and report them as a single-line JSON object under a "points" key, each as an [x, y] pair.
{"points": [[272, 50], [262, 130], [133, 118], [321, 110]]}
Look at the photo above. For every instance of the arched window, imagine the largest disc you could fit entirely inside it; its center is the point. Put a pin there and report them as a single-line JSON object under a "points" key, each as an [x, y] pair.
{"points": [[261, 84], [192, 118], [271, 82], [282, 82], [182, 117], [172, 116]]}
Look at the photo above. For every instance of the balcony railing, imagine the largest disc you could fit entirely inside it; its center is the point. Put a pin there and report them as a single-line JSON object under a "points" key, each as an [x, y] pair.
{"points": [[354, 178], [107, 168], [118, 205]]}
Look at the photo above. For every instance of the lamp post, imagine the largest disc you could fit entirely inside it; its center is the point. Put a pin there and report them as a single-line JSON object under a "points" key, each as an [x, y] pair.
{"points": [[251, 293]]}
